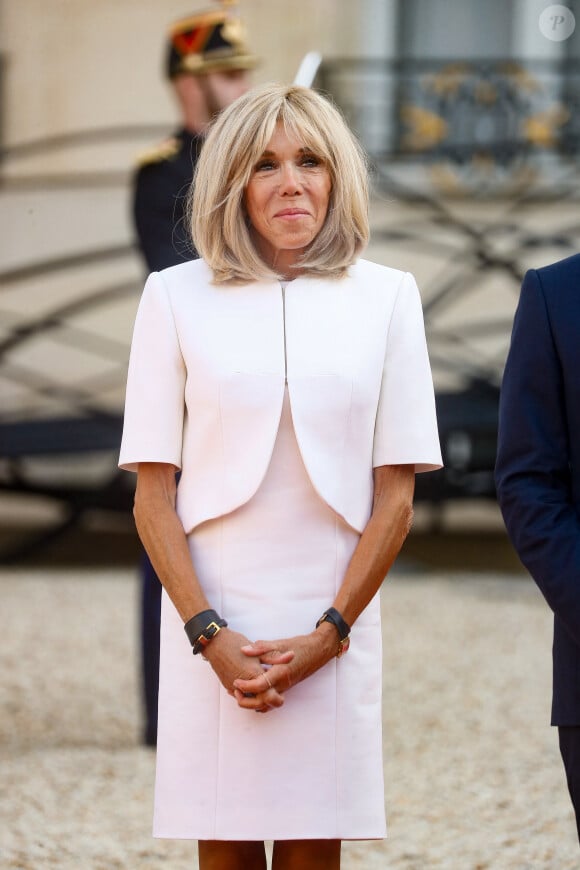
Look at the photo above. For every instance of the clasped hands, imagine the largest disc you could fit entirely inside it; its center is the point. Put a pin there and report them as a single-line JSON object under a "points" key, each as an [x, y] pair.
{"points": [[258, 674]]}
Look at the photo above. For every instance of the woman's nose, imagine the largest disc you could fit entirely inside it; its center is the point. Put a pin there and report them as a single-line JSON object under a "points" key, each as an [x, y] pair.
{"points": [[290, 179]]}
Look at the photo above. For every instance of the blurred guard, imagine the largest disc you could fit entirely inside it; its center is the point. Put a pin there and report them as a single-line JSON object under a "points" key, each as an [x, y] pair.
{"points": [[207, 64]]}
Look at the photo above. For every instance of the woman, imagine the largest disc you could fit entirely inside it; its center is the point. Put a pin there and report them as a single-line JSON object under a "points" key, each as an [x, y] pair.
{"points": [[289, 381]]}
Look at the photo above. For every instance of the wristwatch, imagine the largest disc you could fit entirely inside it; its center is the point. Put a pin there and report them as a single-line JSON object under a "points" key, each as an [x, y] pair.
{"points": [[332, 615], [202, 628]]}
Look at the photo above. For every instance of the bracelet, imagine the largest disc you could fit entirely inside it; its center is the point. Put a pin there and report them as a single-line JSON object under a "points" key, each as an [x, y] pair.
{"points": [[202, 628], [332, 615]]}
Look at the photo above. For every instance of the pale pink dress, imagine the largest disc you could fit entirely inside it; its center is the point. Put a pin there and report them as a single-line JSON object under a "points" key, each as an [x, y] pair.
{"points": [[313, 768]]}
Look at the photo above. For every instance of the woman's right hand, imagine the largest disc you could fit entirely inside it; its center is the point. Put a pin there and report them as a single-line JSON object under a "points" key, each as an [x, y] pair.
{"points": [[224, 653]]}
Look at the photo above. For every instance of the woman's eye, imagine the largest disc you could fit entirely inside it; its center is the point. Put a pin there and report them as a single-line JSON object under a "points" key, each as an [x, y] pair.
{"points": [[310, 160], [264, 164]]}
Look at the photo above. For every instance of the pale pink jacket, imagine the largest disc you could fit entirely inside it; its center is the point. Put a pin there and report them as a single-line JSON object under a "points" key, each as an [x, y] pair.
{"points": [[207, 376]]}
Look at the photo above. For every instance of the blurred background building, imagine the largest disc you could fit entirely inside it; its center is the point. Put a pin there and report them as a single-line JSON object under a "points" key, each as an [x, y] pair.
{"points": [[469, 112]]}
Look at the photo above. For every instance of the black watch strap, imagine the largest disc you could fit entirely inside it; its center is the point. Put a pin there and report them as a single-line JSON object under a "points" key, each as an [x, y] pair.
{"points": [[202, 627], [343, 628], [332, 615]]}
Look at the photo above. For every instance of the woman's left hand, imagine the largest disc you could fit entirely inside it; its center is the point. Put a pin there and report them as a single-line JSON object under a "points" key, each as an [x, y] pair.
{"points": [[311, 652]]}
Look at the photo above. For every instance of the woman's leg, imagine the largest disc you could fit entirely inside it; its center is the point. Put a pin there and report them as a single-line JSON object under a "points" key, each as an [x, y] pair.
{"points": [[306, 855], [231, 855]]}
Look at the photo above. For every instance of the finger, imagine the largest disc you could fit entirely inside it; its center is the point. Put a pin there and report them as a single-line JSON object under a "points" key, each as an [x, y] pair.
{"points": [[256, 685], [271, 694], [260, 647], [252, 686], [280, 677], [250, 650], [277, 657], [270, 699], [275, 699]]}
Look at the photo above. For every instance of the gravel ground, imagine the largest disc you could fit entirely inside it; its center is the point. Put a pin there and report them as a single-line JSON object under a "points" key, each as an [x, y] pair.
{"points": [[472, 770]]}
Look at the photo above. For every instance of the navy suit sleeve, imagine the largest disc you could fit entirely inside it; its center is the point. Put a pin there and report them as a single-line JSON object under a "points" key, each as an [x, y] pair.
{"points": [[533, 461]]}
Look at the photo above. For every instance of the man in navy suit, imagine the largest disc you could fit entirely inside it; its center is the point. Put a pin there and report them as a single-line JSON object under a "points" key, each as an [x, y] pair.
{"points": [[538, 474]]}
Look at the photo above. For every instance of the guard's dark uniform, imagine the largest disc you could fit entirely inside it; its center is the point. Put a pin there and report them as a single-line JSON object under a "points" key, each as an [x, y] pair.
{"points": [[161, 186]]}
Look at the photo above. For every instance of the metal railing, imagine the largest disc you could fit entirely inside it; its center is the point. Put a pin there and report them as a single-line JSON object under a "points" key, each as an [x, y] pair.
{"points": [[483, 120]]}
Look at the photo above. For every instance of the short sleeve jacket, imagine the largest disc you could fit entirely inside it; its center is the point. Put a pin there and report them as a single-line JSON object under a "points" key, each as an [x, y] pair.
{"points": [[208, 369]]}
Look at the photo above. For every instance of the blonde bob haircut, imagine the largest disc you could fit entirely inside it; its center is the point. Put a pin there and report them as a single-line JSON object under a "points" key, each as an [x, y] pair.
{"points": [[235, 142]]}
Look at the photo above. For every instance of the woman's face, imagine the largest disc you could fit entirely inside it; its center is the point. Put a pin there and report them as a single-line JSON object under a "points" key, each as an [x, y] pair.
{"points": [[286, 200]]}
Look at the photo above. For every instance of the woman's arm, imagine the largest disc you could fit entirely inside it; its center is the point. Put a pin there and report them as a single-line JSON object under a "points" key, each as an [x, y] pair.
{"points": [[375, 552], [163, 537], [381, 541]]}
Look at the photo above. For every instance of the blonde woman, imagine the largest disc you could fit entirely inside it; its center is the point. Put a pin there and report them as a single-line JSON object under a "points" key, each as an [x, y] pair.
{"points": [[289, 381]]}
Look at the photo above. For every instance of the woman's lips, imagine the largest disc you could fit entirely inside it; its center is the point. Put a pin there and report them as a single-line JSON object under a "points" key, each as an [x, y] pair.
{"points": [[291, 213]]}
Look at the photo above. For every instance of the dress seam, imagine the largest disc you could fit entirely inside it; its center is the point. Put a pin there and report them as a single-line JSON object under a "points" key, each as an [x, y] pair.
{"points": [[335, 661], [220, 607], [222, 441], [219, 689]]}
